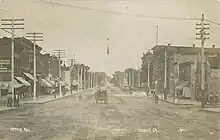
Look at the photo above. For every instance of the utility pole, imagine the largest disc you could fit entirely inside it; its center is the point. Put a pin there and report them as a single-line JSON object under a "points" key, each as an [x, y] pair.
{"points": [[84, 78], [165, 71], [202, 36], [157, 35], [60, 54], [133, 78], [91, 79], [148, 75], [81, 77], [35, 37], [10, 24], [96, 80], [78, 78]]}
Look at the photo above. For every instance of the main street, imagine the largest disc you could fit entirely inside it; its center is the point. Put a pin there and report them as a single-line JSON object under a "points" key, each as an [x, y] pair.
{"points": [[124, 118]]}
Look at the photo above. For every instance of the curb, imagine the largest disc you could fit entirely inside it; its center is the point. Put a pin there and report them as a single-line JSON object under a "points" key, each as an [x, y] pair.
{"points": [[209, 111], [174, 103], [43, 102], [8, 109]]}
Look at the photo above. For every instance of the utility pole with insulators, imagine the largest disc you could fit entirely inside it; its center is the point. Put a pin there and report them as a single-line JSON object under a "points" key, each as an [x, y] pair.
{"points": [[12, 25], [202, 27], [60, 54], [108, 50], [35, 37]]}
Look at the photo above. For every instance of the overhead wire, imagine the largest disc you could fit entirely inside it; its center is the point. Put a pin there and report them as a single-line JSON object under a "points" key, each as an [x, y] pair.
{"points": [[213, 22], [112, 12]]}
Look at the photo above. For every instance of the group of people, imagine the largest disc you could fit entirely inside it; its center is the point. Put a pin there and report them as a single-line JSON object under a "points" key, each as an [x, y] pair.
{"points": [[13, 99], [213, 98]]}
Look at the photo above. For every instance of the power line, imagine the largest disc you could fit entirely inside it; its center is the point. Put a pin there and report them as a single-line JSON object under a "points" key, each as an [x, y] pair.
{"points": [[210, 21], [112, 12]]}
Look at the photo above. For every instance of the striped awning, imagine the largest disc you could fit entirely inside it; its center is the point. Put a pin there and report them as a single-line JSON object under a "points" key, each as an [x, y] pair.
{"points": [[6, 85], [24, 82], [45, 83], [29, 76], [16, 84]]}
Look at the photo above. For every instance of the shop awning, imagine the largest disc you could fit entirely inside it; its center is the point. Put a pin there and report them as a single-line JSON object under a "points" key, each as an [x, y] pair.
{"points": [[5, 85], [29, 76], [45, 83], [16, 84], [24, 82], [182, 85]]}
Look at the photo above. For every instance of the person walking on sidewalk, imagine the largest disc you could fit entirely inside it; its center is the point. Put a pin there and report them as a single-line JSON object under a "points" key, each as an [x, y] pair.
{"points": [[53, 93], [176, 97], [17, 98], [9, 100]]}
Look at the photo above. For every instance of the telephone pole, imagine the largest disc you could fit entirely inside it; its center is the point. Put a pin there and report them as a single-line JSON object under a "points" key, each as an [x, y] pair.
{"points": [[157, 35], [60, 54], [35, 37], [78, 78], [148, 75], [202, 36], [81, 77], [12, 25]]}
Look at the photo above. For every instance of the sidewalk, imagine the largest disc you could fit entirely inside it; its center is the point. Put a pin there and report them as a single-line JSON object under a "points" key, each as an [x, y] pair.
{"points": [[211, 110], [181, 101], [40, 100]]}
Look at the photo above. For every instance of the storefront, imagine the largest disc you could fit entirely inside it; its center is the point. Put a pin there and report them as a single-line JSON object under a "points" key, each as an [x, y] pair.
{"points": [[45, 86]]}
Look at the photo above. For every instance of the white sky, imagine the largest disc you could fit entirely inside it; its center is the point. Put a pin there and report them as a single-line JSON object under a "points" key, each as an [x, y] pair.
{"points": [[84, 32]]}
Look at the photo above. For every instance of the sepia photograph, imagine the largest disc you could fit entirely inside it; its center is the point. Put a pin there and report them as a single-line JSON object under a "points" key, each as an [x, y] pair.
{"points": [[109, 69]]}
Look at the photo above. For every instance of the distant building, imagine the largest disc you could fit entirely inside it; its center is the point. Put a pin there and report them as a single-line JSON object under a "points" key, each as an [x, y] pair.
{"points": [[147, 61], [181, 68]]}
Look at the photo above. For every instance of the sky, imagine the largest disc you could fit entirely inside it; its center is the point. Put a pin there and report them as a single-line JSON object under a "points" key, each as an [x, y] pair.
{"points": [[82, 27]]}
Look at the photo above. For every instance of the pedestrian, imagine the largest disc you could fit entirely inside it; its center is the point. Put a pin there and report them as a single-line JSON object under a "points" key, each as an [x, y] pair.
{"points": [[156, 98], [9, 100], [14, 100], [211, 97], [53, 93], [71, 89], [17, 99], [216, 98], [174, 96]]}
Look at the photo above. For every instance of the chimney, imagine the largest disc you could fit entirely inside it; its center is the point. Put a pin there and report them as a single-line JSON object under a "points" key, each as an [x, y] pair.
{"points": [[194, 45], [213, 46]]}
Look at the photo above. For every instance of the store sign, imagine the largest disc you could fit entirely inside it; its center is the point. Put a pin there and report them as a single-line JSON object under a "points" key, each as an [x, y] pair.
{"points": [[5, 65]]}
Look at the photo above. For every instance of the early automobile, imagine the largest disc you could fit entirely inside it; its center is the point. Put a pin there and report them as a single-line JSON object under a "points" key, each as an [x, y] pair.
{"points": [[101, 95]]}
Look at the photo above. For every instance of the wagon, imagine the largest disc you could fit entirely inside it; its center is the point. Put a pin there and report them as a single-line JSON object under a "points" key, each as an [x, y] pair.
{"points": [[101, 96]]}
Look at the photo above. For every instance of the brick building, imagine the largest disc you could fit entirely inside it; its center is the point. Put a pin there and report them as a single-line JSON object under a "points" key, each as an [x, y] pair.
{"points": [[23, 65], [181, 67]]}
